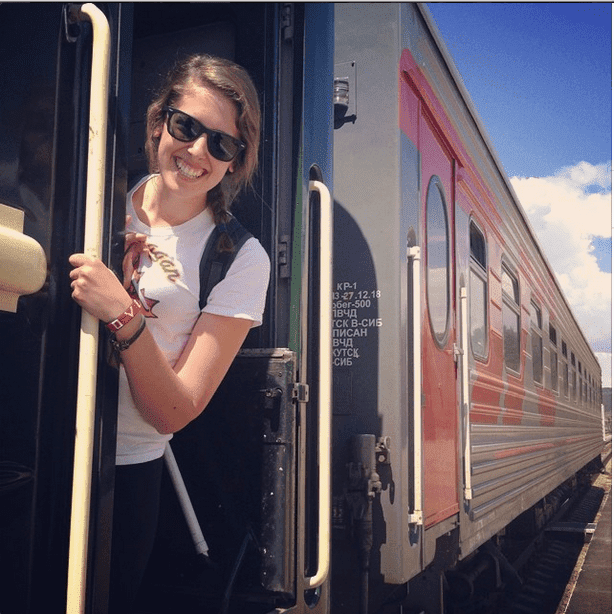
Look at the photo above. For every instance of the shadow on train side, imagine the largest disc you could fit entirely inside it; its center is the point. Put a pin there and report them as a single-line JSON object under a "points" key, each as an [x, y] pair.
{"points": [[358, 525]]}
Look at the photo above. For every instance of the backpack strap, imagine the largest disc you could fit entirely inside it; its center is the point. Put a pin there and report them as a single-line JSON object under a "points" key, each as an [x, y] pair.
{"points": [[214, 264]]}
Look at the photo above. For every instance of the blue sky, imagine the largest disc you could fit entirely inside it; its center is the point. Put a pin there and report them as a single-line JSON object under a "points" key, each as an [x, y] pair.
{"points": [[540, 76]]}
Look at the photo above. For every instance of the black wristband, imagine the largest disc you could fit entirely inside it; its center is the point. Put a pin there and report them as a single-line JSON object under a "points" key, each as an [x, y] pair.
{"points": [[120, 346]]}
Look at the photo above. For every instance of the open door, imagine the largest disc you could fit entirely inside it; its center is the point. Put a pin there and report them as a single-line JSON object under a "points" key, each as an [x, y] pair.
{"points": [[45, 67]]}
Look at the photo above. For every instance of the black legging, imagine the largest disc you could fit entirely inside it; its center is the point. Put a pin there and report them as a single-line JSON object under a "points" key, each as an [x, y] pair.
{"points": [[135, 519]]}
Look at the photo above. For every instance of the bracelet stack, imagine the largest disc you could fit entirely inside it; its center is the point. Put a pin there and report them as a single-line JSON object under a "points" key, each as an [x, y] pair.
{"points": [[120, 346], [123, 319]]}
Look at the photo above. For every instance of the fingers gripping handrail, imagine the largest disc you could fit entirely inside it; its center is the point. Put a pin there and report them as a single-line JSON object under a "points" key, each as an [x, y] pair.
{"points": [[88, 344], [324, 384]]}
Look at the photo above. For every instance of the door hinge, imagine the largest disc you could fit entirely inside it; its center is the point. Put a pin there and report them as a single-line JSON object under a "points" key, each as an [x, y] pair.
{"points": [[458, 352], [287, 21], [283, 260], [300, 392]]}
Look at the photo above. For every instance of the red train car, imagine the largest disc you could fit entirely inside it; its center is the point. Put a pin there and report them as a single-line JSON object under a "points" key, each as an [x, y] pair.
{"points": [[419, 381]]}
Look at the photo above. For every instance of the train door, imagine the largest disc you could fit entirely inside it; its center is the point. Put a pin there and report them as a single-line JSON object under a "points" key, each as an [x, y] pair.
{"points": [[45, 67], [440, 414], [244, 462]]}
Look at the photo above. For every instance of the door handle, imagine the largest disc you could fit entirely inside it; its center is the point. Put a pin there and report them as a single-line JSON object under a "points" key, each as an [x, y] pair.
{"points": [[324, 385], [417, 516], [468, 490]]}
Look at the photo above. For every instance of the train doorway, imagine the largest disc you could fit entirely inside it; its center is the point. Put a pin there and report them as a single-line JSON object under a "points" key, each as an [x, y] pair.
{"points": [[238, 459], [246, 438]]}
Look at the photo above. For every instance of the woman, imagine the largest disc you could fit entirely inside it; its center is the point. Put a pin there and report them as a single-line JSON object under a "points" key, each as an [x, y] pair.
{"points": [[202, 145]]}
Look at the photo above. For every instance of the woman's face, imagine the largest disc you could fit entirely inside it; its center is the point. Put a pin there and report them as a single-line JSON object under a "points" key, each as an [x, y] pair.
{"points": [[189, 168]]}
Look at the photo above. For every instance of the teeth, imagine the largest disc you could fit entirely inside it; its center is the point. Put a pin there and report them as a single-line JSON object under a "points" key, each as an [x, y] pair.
{"points": [[187, 170]]}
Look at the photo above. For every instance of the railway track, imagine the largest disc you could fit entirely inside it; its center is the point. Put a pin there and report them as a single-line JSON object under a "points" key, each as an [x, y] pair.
{"points": [[530, 574], [547, 569], [550, 567]]}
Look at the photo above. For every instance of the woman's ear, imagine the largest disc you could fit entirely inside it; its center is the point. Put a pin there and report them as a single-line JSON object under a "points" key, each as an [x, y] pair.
{"points": [[157, 131]]}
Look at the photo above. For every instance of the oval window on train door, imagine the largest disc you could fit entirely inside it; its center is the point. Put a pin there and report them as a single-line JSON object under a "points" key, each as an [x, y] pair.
{"points": [[437, 260]]}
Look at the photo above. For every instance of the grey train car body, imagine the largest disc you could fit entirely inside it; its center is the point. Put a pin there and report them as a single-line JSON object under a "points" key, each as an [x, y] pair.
{"points": [[414, 168]]}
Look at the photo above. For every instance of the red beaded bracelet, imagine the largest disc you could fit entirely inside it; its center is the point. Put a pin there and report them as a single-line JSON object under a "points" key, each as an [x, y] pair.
{"points": [[123, 319]]}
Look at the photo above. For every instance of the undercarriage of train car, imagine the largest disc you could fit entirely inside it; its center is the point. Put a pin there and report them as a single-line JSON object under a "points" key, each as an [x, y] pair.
{"points": [[487, 581]]}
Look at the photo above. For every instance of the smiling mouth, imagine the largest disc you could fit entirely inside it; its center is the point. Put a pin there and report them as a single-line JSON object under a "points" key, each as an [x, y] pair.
{"points": [[188, 171]]}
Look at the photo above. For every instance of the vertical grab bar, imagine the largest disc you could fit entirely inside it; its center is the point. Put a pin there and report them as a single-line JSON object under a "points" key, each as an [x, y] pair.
{"points": [[417, 516], [88, 344], [324, 385], [465, 387]]}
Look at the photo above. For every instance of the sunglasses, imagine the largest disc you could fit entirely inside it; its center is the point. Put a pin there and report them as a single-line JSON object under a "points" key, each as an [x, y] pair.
{"points": [[185, 128]]}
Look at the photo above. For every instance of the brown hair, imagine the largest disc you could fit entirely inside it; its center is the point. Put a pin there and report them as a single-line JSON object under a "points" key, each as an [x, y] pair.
{"points": [[234, 83]]}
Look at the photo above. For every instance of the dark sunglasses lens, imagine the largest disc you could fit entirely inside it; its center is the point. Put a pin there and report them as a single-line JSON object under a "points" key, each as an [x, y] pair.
{"points": [[221, 146], [183, 127]]}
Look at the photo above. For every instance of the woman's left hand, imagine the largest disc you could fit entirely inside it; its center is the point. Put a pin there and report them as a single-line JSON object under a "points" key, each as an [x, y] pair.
{"points": [[96, 288]]}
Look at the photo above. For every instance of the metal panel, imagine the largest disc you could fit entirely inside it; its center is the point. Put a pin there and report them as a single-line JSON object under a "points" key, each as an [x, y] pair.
{"points": [[238, 461], [375, 208]]}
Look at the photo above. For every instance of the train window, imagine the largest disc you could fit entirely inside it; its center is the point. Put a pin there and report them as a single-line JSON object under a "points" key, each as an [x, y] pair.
{"points": [[565, 368], [437, 259], [574, 382], [592, 393], [537, 348], [478, 294], [511, 319], [590, 390], [477, 245], [554, 360]]}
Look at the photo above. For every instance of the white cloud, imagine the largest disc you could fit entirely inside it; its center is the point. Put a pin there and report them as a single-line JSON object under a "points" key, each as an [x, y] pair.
{"points": [[585, 174], [566, 211], [605, 360]]}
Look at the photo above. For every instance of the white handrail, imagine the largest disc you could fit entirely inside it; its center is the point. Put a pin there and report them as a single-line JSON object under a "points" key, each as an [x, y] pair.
{"points": [[324, 384], [417, 516], [88, 344], [465, 388]]}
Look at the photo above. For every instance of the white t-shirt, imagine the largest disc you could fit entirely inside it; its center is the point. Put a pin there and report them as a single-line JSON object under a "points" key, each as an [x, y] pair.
{"points": [[168, 286]]}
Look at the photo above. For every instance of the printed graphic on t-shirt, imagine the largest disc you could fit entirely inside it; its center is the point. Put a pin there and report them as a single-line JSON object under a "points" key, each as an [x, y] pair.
{"points": [[133, 271], [165, 261]]}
